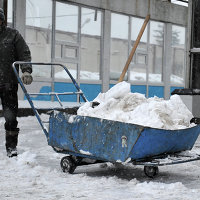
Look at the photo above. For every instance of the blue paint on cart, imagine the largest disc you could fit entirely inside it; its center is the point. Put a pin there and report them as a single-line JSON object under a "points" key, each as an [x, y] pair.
{"points": [[115, 141], [159, 141], [107, 140]]}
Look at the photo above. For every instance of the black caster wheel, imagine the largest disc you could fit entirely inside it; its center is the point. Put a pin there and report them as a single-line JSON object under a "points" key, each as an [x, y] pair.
{"points": [[67, 164], [151, 171]]}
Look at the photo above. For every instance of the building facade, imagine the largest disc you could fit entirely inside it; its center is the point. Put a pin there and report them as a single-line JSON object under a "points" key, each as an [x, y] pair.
{"points": [[93, 39]]}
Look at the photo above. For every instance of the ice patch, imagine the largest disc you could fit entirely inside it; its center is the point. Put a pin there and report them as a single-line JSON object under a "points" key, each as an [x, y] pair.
{"points": [[85, 152]]}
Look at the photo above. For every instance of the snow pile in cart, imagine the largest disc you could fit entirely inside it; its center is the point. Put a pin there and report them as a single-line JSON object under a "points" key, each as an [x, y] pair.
{"points": [[120, 104]]}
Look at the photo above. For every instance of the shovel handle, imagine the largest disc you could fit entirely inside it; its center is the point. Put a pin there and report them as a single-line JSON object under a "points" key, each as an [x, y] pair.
{"points": [[121, 78]]}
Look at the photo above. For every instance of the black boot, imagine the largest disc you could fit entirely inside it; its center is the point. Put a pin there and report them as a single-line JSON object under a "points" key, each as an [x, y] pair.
{"points": [[11, 143]]}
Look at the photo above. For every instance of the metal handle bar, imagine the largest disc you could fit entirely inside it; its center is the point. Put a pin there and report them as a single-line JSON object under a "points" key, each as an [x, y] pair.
{"points": [[56, 95], [65, 68], [28, 96]]}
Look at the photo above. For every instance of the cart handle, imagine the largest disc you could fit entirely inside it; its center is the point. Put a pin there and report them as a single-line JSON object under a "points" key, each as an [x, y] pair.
{"points": [[28, 96]]}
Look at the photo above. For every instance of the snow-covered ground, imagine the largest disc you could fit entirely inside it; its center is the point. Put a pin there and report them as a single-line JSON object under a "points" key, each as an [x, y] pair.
{"points": [[36, 175], [134, 76]]}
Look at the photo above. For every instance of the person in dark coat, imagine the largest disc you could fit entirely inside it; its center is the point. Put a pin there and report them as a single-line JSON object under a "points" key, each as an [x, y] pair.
{"points": [[12, 48]]}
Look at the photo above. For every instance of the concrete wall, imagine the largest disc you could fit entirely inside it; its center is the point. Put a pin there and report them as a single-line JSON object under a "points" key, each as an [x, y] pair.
{"points": [[159, 10], [1, 3]]}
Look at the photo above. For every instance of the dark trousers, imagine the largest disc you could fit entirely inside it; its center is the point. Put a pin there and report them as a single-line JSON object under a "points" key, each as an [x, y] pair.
{"points": [[9, 99]]}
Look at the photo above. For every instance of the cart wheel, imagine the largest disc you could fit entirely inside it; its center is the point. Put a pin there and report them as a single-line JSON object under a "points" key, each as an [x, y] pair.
{"points": [[151, 171], [67, 164]]}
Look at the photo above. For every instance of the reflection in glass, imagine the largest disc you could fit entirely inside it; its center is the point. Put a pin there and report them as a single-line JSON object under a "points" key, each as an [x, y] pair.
{"points": [[60, 73], [119, 45], [66, 22], [139, 61], [178, 36], [142, 59], [41, 71], [58, 51], [119, 26], [36, 15], [136, 25], [178, 55], [70, 52], [89, 24], [155, 65], [38, 34], [90, 44]]}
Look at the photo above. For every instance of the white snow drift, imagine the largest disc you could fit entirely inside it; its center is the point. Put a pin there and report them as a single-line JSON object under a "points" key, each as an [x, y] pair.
{"points": [[120, 104]]}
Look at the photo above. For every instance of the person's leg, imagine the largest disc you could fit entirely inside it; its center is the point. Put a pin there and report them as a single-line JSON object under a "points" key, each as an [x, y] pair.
{"points": [[10, 109]]}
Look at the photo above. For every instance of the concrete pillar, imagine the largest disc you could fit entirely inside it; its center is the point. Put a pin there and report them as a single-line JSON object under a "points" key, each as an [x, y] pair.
{"points": [[1, 3], [20, 16], [195, 65], [19, 23], [106, 51], [167, 59], [188, 46]]}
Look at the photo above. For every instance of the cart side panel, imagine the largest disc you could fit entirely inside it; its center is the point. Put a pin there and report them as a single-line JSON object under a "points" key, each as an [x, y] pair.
{"points": [[154, 142], [95, 137]]}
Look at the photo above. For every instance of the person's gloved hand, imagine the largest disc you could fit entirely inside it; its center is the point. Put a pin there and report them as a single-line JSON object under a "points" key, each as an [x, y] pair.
{"points": [[27, 78]]}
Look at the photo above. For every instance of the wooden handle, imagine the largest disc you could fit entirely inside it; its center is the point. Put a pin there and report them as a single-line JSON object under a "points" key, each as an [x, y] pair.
{"points": [[121, 78]]}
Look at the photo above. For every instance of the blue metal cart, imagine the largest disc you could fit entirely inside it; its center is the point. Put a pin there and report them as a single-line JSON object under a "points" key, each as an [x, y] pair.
{"points": [[104, 140]]}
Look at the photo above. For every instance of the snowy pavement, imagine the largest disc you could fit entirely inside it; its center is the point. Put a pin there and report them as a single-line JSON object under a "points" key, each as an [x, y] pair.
{"points": [[36, 175]]}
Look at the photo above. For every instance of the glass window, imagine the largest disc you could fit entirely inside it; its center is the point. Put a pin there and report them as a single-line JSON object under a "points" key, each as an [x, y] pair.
{"points": [[58, 51], [155, 65], [36, 15], [90, 44], [91, 22], [178, 55], [41, 71], [66, 22], [119, 45], [70, 52], [60, 73], [136, 25], [178, 36], [139, 61], [38, 33]]}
